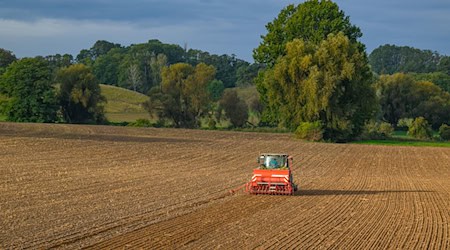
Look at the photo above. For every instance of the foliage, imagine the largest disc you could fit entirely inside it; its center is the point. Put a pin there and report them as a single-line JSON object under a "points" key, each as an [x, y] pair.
{"points": [[400, 97], [440, 79], [106, 67], [226, 66], [444, 65], [330, 83], [101, 47], [183, 97], [139, 66], [147, 69], [310, 21], [377, 130], [212, 124], [215, 89], [390, 59], [235, 108], [80, 95], [444, 132], [6, 58], [246, 74], [311, 131], [27, 86], [256, 106], [141, 123], [58, 61], [405, 123], [420, 129]]}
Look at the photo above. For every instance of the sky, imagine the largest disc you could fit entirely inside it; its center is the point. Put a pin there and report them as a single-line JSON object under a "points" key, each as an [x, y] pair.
{"points": [[43, 27]]}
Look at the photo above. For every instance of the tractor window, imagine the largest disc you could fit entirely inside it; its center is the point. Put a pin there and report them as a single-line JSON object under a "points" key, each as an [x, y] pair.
{"points": [[275, 161]]}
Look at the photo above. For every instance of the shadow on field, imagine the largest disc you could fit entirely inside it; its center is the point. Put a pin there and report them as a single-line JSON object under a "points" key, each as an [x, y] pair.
{"points": [[319, 192]]}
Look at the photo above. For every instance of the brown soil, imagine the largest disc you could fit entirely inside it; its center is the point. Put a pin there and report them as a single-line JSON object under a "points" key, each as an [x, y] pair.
{"points": [[69, 186]]}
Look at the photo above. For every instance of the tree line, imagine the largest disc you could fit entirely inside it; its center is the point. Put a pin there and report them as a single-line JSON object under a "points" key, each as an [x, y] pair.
{"points": [[183, 85], [312, 73]]}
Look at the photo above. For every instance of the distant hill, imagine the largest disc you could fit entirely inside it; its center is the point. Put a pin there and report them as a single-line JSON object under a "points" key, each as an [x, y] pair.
{"points": [[123, 105]]}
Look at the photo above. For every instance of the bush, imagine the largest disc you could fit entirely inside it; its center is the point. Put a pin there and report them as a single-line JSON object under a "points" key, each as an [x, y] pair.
{"points": [[141, 123], [444, 132], [420, 129], [377, 130], [405, 123], [212, 124], [311, 131], [235, 108]]}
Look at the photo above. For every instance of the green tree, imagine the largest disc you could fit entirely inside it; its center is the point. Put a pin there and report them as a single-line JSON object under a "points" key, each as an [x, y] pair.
{"points": [[235, 108], [441, 79], [31, 97], [59, 61], [390, 59], [377, 130], [444, 132], [246, 74], [420, 129], [400, 96], [101, 47], [6, 58], [311, 21], [80, 96], [215, 89], [106, 67], [183, 97], [157, 63], [330, 83], [227, 66], [444, 65]]}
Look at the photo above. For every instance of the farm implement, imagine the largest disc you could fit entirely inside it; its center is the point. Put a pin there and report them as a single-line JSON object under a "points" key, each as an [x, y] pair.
{"points": [[272, 176]]}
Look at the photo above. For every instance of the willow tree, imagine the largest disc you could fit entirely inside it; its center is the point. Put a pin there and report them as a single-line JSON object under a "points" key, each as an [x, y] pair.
{"points": [[80, 95], [183, 97], [328, 83]]}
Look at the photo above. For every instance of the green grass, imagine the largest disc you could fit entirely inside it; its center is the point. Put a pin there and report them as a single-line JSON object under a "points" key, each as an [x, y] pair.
{"points": [[395, 142], [126, 117], [123, 105], [401, 138]]}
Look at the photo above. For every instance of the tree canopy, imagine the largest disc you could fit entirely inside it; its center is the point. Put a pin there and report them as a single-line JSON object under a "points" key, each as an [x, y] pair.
{"points": [[80, 96], [118, 65], [441, 79], [390, 59], [6, 58], [235, 108], [329, 82], [31, 97], [311, 21], [183, 97], [403, 97]]}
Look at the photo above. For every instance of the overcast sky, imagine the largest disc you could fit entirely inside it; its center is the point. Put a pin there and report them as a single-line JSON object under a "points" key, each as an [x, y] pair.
{"points": [[44, 27]]}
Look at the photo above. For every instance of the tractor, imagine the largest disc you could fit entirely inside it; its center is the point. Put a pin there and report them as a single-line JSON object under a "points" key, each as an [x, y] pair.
{"points": [[272, 176]]}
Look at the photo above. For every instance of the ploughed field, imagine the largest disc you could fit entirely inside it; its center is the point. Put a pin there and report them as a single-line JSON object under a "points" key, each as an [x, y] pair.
{"points": [[72, 186]]}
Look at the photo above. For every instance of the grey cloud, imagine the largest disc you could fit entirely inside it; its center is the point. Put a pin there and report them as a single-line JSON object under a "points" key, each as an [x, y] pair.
{"points": [[219, 26]]}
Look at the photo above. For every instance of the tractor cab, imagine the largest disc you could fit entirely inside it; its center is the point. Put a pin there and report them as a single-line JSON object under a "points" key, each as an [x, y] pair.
{"points": [[273, 161]]}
